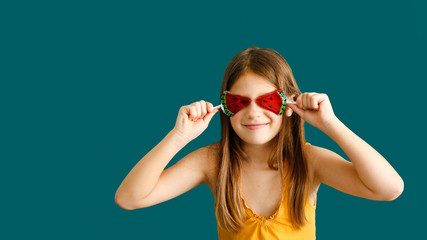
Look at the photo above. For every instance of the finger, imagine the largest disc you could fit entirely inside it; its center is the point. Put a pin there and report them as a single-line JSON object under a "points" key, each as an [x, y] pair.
{"points": [[193, 112], [288, 109], [209, 115], [323, 97], [314, 101], [203, 108], [299, 100], [305, 100], [182, 113], [296, 109], [186, 110], [198, 108], [209, 107]]}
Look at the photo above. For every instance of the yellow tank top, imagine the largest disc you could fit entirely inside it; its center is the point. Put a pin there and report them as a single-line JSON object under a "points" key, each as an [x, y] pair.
{"points": [[277, 226]]}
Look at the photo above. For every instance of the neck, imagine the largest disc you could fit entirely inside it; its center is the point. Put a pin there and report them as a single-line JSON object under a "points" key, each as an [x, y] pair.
{"points": [[257, 155]]}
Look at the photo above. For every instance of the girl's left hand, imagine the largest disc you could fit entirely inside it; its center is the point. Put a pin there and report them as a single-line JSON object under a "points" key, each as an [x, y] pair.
{"points": [[318, 113]]}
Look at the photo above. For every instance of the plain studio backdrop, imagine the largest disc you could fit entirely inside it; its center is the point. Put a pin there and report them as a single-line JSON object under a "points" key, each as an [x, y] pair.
{"points": [[89, 87]]}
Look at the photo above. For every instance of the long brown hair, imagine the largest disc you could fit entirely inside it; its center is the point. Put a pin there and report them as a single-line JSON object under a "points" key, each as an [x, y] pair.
{"points": [[288, 157]]}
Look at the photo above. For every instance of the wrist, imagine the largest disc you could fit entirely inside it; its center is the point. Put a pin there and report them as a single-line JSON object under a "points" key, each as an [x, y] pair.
{"points": [[178, 138], [331, 126]]}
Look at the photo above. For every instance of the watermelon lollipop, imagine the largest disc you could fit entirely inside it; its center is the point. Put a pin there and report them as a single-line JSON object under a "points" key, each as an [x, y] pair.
{"points": [[231, 104], [274, 101]]}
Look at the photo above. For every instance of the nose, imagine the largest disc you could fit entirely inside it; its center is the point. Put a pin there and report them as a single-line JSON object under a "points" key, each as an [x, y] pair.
{"points": [[253, 110]]}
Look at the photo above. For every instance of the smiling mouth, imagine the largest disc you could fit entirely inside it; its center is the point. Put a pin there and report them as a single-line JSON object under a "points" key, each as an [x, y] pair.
{"points": [[256, 126]]}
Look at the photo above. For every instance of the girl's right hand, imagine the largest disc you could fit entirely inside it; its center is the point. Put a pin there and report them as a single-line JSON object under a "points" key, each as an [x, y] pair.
{"points": [[193, 119]]}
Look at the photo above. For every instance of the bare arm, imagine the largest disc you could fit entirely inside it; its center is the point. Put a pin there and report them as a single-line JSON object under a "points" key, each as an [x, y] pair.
{"points": [[374, 171], [142, 179], [368, 175], [147, 184]]}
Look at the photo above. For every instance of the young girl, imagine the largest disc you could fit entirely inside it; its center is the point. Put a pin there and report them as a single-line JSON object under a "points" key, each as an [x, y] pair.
{"points": [[263, 174]]}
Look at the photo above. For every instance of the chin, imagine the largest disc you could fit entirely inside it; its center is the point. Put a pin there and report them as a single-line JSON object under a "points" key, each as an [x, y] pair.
{"points": [[255, 139]]}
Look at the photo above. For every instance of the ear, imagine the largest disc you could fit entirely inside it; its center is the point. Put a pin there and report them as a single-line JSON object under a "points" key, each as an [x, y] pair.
{"points": [[288, 110]]}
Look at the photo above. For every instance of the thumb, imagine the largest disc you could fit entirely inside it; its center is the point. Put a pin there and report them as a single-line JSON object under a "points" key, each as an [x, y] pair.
{"points": [[296, 109], [209, 116]]}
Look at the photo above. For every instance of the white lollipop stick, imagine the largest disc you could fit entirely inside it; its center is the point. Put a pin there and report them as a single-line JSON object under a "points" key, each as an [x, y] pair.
{"points": [[216, 107]]}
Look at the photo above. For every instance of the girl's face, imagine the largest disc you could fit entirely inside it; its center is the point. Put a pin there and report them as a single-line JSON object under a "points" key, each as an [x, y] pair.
{"points": [[253, 124]]}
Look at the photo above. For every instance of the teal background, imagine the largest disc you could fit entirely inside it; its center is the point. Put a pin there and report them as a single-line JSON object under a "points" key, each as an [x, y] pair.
{"points": [[89, 87]]}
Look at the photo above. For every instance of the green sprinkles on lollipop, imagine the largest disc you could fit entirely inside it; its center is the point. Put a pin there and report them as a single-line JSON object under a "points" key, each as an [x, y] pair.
{"points": [[282, 94], [224, 105]]}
